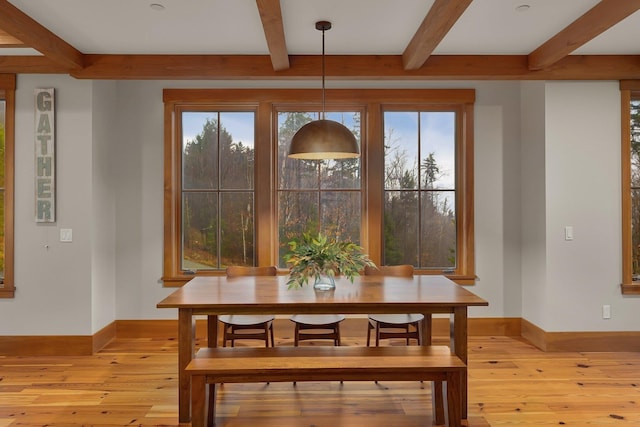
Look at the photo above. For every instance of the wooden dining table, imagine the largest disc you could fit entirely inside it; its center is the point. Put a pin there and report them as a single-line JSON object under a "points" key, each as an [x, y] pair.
{"points": [[217, 295]]}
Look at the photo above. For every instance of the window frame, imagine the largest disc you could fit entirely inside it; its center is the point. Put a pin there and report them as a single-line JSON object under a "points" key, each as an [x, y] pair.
{"points": [[7, 92], [629, 90], [220, 190], [267, 102], [462, 177], [361, 190]]}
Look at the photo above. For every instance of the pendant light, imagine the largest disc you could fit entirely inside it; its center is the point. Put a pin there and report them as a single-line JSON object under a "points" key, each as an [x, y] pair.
{"points": [[323, 139]]}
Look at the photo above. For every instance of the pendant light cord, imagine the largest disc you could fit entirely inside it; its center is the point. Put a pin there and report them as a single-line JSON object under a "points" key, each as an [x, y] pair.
{"points": [[323, 103]]}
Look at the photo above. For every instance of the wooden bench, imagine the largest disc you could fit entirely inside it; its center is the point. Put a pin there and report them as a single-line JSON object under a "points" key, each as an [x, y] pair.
{"points": [[284, 364]]}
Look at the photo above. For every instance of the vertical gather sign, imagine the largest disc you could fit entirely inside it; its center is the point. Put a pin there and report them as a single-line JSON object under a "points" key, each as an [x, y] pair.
{"points": [[45, 156]]}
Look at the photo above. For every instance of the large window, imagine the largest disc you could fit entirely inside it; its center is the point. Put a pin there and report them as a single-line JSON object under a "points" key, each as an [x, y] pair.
{"points": [[420, 189], [7, 92], [233, 197], [217, 207], [317, 195], [634, 152], [630, 186]]}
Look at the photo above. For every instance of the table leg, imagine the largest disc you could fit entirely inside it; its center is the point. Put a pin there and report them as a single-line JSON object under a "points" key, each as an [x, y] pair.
{"points": [[212, 341], [458, 336], [427, 329], [186, 339], [212, 330]]}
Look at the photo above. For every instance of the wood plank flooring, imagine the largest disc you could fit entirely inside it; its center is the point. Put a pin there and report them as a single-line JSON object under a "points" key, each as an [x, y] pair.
{"points": [[133, 382]]}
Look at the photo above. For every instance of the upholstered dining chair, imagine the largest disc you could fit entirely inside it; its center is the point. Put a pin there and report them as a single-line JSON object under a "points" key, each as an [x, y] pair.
{"points": [[387, 326], [242, 327]]}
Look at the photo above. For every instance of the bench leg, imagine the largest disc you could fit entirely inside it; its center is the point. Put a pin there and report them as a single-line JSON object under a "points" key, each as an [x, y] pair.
{"points": [[211, 404], [454, 399], [437, 403], [198, 400]]}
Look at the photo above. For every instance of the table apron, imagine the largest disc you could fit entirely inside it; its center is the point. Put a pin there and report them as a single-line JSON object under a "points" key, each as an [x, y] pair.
{"points": [[281, 311]]}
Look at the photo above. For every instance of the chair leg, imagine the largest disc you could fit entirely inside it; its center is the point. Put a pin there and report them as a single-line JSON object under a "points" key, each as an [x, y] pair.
{"points": [[377, 332], [336, 329], [295, 338], [266, 334], [268, 327], [231, 335], [369, 327], [273, 342]]}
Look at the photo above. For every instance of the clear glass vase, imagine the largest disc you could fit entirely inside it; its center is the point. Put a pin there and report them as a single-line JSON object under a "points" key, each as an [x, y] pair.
{"points": [[324, 282]]}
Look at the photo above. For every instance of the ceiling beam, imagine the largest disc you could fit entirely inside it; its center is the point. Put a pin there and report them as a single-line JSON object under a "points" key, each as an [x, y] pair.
{"points": [[594, 22], [30, 65], [439, 20], [271, 16], [338, 67], [7, 40], [24, 28]]}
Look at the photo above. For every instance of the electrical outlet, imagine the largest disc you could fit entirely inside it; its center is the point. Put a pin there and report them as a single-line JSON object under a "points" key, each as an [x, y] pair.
{"points": [[606, 311]]}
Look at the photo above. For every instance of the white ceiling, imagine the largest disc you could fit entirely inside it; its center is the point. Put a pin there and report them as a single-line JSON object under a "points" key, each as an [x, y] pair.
{"points": [[382, 27]]}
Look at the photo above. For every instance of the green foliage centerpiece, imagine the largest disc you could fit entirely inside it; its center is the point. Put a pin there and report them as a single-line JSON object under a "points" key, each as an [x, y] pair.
{"points": [[323, 258]]}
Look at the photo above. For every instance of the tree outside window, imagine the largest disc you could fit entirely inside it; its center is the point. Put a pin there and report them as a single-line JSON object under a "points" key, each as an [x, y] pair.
{"points": [[234, 197], [2, 187], [419, 184], [630, 165], [217, 190], [635, 185], [317, 195]]}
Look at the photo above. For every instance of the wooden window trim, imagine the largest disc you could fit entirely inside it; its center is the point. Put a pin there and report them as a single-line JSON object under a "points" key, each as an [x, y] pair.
{"points": [[629, 89], [266, 101], [464, 181], [8, 89]]}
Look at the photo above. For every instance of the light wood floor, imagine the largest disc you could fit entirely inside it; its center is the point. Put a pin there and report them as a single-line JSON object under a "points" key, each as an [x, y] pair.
{"points": [[133, 382]]}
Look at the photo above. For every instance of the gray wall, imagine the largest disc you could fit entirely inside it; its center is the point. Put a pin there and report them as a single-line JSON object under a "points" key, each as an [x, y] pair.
{"points": [[103, 204], [546, 155]]}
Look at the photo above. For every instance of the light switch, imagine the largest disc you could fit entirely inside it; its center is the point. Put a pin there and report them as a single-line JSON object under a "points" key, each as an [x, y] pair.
{"points": [[66, 235], [568, 233]]}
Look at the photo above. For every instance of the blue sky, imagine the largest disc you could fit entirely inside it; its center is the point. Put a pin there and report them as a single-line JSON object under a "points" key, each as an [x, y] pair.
{"points": [[238, 124], [437, 134]]}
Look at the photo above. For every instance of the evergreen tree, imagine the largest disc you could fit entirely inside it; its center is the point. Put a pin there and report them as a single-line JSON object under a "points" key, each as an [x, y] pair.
{"points": [[218, 225]]}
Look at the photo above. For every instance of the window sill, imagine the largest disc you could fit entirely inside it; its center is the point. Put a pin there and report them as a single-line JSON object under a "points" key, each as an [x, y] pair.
{"points": [[630, 288], [460, 279], [463, 280], [177, 281]]}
